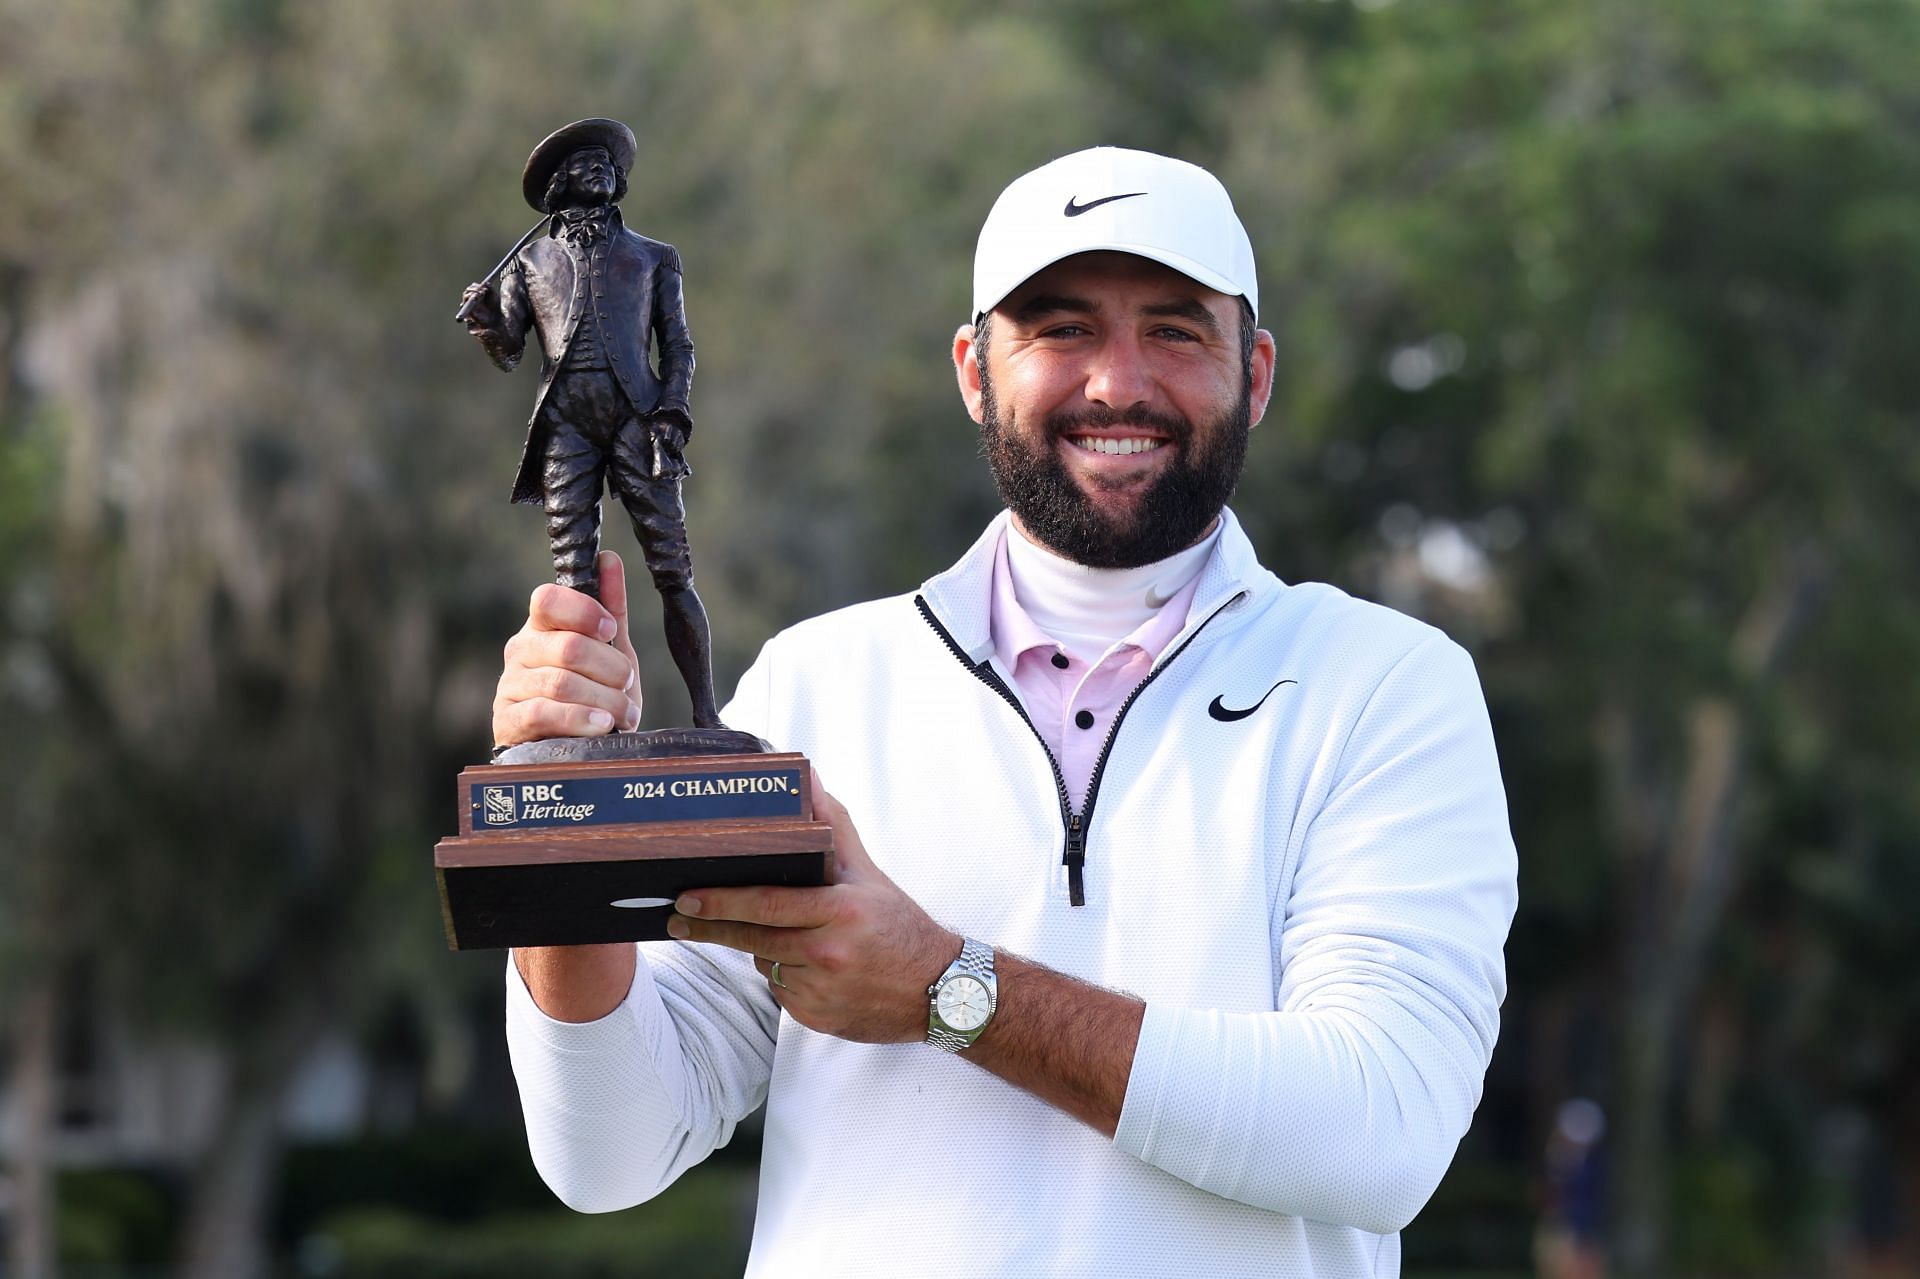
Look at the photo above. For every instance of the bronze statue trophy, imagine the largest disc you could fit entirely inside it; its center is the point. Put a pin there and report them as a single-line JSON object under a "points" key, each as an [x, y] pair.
{"points": [[575, 840]]}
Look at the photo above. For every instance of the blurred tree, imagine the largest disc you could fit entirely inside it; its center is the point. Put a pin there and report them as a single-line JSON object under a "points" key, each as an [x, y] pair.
{"points": [[1595, 324], [259, 559], [1175, 66], [1607, 309]]}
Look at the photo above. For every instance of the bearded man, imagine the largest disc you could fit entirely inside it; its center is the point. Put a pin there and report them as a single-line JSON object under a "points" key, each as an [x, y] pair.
{"points": [[598, 293], [1170, 897]]}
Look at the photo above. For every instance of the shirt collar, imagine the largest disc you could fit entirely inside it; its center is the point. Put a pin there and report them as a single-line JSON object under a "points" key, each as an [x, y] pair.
{"points": [[1012, 627], [1015, 633], [961, 598]]}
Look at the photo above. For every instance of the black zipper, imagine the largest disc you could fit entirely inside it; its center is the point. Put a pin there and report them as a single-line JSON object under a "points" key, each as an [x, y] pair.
{"points": [[1074, 857]]}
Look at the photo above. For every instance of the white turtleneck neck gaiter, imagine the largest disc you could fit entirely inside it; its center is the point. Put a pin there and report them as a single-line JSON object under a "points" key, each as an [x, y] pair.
{"points": [[1089, 610]]}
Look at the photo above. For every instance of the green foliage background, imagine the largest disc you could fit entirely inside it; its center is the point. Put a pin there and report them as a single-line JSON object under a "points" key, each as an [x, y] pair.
{"points": [[1596, 325]]}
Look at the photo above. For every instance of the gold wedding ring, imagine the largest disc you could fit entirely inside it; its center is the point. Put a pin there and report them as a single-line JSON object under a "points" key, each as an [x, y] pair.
{"points": [[774, 976]]}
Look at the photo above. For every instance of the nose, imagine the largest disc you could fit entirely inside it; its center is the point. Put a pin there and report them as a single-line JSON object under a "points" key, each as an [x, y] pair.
{"points": [[1118, 376]]}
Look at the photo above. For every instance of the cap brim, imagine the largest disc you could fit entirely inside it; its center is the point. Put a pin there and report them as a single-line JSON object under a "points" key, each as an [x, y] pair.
{"points": [[1184, 265]]}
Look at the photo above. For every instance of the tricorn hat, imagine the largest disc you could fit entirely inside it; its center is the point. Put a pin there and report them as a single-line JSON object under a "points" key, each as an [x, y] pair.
{"points": [[553, 151]]}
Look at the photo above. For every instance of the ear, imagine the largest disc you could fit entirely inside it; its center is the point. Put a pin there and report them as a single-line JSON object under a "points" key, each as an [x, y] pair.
{"points": [[1262, 370], [966, 369]]}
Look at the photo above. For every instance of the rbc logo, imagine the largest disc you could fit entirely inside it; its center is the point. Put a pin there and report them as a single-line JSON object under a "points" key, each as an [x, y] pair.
{"points": [[499, 803]]}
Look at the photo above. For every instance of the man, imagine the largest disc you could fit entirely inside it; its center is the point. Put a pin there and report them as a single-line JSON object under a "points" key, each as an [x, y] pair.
{"points": [[597, 292], [1200, 879]]}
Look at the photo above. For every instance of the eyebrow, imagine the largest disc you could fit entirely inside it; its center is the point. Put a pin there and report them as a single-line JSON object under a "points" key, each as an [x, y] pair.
{"points": [[1188, 309]]}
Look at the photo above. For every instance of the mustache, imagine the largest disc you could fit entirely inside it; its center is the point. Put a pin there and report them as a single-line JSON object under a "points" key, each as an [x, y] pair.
{"points": [[1105, 417]]}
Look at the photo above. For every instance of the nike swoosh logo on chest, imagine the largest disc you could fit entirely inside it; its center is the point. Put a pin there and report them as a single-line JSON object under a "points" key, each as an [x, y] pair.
{"points": [[1218, 707]]}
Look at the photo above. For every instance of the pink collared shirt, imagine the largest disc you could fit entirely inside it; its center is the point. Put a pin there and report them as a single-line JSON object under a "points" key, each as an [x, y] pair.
{"points": [[1071, 702]]}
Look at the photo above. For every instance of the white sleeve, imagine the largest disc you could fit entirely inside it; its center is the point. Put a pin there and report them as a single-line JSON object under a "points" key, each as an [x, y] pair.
{"points": [[617, 1108], [1346, 1104]]}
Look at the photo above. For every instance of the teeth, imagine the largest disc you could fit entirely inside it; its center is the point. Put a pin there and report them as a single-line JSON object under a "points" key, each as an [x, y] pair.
{"points": [[1105, 444]]}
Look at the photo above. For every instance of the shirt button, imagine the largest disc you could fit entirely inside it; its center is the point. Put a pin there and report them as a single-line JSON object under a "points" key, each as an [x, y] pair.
{"points": [[1060, 660], [1084, 719]]}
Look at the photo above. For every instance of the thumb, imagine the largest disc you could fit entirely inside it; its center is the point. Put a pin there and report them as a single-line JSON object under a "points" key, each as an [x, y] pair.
{"points": [[850, 860], [613, 598]]}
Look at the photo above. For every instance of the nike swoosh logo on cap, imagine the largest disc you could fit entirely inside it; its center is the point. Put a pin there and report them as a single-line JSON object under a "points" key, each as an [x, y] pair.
{"points": [[1075, 210], [1218, 708]]}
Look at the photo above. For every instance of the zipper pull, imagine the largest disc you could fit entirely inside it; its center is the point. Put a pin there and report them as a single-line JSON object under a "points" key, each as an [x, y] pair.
{"points": [[1075, 859]]}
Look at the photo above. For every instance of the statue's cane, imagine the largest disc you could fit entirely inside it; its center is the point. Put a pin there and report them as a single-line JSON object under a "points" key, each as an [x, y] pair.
{"points": [[466, 307]]}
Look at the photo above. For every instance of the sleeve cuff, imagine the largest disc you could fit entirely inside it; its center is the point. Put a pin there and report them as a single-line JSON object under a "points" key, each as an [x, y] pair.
{"points": [[1153, 1055]]}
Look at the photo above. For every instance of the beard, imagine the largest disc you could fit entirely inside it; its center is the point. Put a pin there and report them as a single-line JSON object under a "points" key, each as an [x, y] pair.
{"points": [[1172, 514]]}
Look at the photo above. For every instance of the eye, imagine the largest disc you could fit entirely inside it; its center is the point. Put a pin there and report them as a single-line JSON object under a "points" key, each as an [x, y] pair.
{"points": [[1169, 333]]}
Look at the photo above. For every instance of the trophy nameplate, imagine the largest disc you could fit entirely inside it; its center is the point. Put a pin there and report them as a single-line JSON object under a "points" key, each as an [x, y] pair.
{"points": [[596, 851]]}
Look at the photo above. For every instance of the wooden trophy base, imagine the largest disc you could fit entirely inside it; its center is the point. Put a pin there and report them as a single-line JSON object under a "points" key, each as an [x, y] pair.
{"points": [[596, 849]]}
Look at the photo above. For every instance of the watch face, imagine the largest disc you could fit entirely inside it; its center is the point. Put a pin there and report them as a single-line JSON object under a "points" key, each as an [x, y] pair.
{"points": [[964, 1003]]}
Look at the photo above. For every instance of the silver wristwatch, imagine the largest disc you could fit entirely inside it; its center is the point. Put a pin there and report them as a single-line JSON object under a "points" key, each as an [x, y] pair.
{"points": [[961, 1003]]}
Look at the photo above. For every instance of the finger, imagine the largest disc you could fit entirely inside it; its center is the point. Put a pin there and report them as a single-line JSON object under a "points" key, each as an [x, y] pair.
{"points": [[783, 992], [563, 667], [613, 595], [762, 904], [553, 684], [783, 944], [561, 608], [788, 972], [570, 651], [850, 858], [537, 718], [826, 808]]}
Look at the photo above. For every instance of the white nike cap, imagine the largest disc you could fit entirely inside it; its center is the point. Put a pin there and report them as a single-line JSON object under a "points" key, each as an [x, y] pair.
{"points": [[1112, 198]]}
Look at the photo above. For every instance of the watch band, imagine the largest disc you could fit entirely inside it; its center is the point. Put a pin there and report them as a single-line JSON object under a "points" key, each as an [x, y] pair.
{"points": [[946, 1040], [976, 960]]}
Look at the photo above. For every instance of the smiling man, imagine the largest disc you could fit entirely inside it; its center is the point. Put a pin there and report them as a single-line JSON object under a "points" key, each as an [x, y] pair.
{"points": [[1167, 924], [1117, 472]]}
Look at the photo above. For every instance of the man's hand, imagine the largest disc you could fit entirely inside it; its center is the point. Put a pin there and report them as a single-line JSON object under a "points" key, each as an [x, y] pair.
{"points": [[857, 956], [570, 671]]}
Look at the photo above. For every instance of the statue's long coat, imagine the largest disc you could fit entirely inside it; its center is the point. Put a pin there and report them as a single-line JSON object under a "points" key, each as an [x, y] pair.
{"points": [[638, 299]]}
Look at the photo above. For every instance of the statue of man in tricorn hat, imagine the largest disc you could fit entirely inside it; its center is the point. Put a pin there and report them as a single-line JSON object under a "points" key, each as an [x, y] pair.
{"points": [[600, 294]]}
